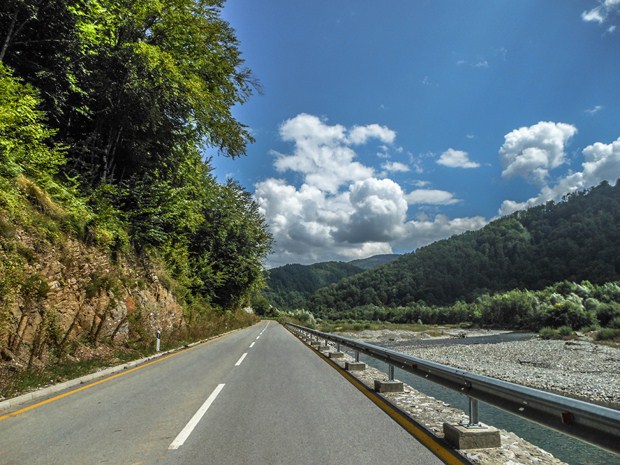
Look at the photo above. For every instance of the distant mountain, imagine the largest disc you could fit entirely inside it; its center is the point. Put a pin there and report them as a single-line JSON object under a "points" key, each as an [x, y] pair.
{"points": [[575, 239], [290, 286], [374, 261]]}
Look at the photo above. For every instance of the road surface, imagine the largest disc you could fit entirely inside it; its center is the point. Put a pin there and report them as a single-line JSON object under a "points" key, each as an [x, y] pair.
{"points": [[257, 396]]}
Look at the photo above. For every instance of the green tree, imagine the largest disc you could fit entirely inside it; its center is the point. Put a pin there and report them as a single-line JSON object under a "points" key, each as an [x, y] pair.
{"points": [[228, 248]]}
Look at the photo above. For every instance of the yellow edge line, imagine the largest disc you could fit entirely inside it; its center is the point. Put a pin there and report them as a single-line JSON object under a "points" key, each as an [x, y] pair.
{"points": [[101, 381], [431, 442]]}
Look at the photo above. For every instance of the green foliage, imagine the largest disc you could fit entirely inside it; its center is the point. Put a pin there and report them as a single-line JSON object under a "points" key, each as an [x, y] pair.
{"points": [[105, 109], [565, 331], [549, 333], [228, 248], [557, 306], [608, 334], [24, 138], [289, 286]]}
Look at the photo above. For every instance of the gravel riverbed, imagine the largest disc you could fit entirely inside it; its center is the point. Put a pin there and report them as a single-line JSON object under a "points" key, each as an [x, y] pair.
{"points": [[578, 369]]}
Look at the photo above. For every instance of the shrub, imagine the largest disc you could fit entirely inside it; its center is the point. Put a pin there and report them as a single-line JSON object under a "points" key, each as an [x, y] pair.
{"points": [[565, 331], [608, 334], [548, 333]]}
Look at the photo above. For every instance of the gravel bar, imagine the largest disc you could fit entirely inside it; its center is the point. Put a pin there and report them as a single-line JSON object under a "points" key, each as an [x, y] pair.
{"points": [[578, 369]]}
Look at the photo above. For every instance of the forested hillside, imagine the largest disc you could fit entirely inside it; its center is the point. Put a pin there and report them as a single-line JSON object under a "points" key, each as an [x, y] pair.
{"points": [[106, 110], [289, 286], [374, 261], [575, 239]]}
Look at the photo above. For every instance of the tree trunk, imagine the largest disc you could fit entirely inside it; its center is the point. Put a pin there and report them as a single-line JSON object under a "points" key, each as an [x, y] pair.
{"points": [[8, 38]]}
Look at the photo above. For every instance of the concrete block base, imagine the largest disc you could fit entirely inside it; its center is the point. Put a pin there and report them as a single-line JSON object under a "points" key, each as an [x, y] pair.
{"points": [[316, 344], [336, 355], [461, 437], [355, 366], [388, 386]]}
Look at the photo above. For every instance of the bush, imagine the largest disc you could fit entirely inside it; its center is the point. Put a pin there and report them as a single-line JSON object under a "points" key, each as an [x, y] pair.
{"points": [[608, 334], [565, 331], [548, 333]]}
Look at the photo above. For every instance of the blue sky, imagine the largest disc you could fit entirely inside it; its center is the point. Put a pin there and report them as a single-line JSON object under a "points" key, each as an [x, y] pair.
{"points": [[384, 126]]}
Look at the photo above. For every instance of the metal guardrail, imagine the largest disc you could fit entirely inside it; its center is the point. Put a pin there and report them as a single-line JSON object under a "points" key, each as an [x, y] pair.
{"points": [[592, 423]]}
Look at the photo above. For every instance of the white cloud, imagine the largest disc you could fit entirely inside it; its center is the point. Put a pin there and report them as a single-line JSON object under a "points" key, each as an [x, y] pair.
{"points": [[395, 167], [321, 154], [594, 110], [431, 197], [456, 159], [359, 135], [601, 13], [379, 212], [602, 163], [340, 210], [530, 152], [594, 15]]}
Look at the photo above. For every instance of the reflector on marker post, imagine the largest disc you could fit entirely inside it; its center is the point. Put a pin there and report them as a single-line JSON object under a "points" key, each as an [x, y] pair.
{"points": [[158, 334]]}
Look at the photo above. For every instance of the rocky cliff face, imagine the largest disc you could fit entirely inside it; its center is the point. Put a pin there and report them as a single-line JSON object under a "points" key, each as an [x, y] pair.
{"points": [[72, 300]]}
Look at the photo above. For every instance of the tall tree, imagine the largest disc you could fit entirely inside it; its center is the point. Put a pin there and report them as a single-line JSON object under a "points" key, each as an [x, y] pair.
{"points": [[126, 80]]}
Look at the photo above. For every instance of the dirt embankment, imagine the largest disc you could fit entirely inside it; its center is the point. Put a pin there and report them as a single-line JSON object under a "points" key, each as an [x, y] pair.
{"points": [[72, 301]]}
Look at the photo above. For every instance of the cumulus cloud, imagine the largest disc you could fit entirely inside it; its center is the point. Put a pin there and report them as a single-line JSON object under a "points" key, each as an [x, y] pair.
{"points": [[602, 163], [321, 154], [339, 209], [431, 197], [530, 152], [456, 159], [379, 211]]}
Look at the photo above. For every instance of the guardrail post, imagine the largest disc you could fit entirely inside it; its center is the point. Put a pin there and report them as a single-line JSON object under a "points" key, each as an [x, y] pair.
{"points": [[357, 356], [390, 372], [474, 421]]}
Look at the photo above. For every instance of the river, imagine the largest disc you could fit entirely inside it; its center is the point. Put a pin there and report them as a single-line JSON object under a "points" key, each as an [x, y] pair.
{"points": [[566, 448]]}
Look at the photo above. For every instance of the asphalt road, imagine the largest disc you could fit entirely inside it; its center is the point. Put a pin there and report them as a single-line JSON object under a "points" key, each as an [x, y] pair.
{"points": [[258, 396]]}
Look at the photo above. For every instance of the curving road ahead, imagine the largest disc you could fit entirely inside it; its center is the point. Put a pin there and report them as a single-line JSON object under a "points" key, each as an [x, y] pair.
{"points": [[257, 396]]}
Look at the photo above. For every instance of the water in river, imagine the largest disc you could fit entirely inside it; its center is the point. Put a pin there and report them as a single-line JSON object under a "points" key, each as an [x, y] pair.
{"points": [[565, 448]]}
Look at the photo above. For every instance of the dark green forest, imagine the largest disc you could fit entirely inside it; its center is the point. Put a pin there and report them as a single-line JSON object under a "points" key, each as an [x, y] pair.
{"points": [[289, 286], [107, 108], [574, 240]]}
